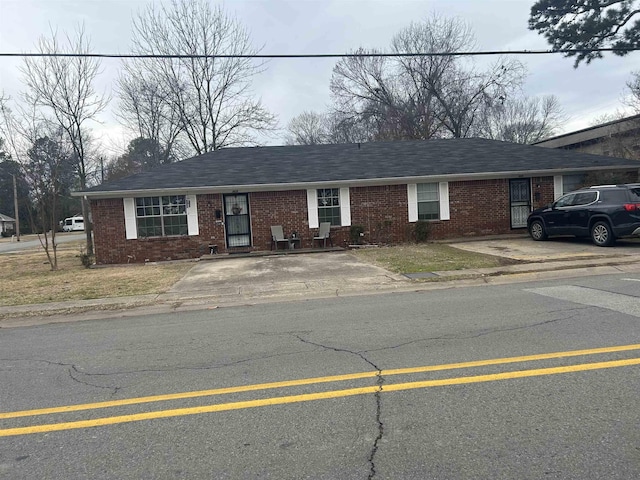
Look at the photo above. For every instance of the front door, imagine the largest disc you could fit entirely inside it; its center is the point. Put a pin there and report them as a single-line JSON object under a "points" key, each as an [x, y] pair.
{"points": [[236, 220], [520, 201]]}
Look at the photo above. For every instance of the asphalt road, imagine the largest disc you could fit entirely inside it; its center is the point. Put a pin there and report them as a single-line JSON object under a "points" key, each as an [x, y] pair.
{"points": [[6, 246], [465, 383]]}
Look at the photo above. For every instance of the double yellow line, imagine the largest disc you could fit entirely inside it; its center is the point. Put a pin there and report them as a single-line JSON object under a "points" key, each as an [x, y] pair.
{"points": [[314, 396]]}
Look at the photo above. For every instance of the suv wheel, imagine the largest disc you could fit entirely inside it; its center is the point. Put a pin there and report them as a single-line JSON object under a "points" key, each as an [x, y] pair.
{"points": [[602, 235], [536, 230]]}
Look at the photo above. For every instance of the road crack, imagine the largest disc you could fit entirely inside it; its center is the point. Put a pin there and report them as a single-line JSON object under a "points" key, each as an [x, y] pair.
{"points": [[377, 395], [73, 369], [479, 334]]}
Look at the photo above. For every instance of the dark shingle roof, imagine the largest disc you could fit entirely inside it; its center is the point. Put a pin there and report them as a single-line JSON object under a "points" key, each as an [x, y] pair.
{"points": [[357, 162]]}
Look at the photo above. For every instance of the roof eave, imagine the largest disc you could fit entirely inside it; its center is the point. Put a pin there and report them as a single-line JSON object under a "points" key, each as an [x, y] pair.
{"points": [[223, 189]]}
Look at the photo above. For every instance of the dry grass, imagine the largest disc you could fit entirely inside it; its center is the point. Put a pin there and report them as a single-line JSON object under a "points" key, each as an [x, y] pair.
{"points": [[429, 257], [27, 277]]}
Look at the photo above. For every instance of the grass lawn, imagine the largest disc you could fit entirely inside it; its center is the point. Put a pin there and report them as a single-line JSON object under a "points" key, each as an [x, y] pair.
{"points": [[427, 257], [27, 277]]}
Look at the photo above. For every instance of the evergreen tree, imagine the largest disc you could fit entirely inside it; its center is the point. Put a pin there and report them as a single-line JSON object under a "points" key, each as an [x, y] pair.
{"points": [[587, 24]]}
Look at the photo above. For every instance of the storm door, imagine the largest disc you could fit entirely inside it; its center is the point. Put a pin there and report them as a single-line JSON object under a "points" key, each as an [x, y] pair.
{"points": [[236, 220], [520, 201]]}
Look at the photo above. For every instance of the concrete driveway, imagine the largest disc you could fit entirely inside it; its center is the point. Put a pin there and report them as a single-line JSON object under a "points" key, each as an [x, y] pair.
{"points": [[314, 275], [305, 275], [562, 248]]}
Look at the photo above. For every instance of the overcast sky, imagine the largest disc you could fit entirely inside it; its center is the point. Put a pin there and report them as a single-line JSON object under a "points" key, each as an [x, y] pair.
{"points": [[289, 86]]}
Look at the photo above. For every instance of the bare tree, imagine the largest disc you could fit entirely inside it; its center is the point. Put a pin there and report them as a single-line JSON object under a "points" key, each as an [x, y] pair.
{"points": [[312, 128], [607, 118], [632, 98], [209, 91], [308, 128], [523, 120], [49, 162], [145, 107], [462, 95], [46, 164], [64, 86], [347, 129], [425, 77], [370, 92], [420, 97]]}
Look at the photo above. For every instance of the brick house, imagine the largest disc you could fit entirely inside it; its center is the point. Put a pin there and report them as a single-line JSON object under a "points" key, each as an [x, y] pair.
{"points": [[230, 198]]}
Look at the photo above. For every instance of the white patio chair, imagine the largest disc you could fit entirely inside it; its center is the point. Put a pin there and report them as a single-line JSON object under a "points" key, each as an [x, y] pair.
{"points": [[324, 234], [277, 236]]}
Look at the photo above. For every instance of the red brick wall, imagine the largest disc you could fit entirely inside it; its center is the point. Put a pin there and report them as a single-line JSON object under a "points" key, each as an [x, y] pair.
{"points": [[542, 191], [477, 208], [111, 245], [382, 212], [211, 230], [287, 208]]}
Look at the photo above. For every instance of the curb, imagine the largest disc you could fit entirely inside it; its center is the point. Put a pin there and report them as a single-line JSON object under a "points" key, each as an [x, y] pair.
{"points": [[24, 315]]}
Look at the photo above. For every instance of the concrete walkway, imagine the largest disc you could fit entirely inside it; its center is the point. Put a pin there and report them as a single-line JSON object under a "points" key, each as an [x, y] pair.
{"points": [[258, 279]]}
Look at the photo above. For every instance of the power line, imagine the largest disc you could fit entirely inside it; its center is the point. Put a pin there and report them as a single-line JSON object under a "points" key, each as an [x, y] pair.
{"points": [[326, 55]]}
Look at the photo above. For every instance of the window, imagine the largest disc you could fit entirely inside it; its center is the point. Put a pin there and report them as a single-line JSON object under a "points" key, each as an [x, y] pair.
{"points": [[585, 198], [161, 216], [329, 205], [565, 201], [577, 199], [428, 201], [572, 182]]}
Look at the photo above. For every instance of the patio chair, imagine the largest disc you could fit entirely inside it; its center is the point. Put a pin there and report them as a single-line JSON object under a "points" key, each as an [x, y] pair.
{"points": [[277, 236], [324, 234]]}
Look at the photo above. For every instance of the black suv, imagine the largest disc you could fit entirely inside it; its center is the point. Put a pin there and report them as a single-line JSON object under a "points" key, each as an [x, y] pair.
{"points": [[603, 212]]}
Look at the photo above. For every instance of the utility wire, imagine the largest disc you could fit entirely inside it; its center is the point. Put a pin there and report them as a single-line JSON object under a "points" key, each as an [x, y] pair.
{"points": [[327, 55]]}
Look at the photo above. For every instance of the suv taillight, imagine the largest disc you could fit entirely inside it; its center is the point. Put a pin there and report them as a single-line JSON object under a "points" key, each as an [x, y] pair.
{"points": [[631, 207]]}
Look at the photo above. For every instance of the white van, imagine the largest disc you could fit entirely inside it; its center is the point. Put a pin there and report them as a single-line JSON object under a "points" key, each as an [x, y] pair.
{"points": [[73, 224]]}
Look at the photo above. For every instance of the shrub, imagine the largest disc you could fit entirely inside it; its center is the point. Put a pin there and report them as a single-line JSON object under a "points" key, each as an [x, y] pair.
{"points": [[87, 260], [421, 231], [355, 234]]}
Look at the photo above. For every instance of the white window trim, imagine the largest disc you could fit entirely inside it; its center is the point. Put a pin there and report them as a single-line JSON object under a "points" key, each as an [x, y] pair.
{"points": [[443, 189], [312, 208], [412, 202], [130, 225], [557, 187], [345, 207], [192, 215], [443, 201]]}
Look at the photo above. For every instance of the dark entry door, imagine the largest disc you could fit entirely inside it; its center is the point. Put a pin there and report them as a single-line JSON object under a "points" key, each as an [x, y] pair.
{"points": [[520, 201], [236, 220]]}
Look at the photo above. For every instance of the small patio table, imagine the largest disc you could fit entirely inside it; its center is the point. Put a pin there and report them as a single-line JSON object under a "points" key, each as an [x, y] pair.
{"points": [[292, 242]]}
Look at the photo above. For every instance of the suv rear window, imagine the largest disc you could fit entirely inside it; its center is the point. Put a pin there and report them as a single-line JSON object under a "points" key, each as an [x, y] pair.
{"points": [[614, 196], [635, 194]]}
